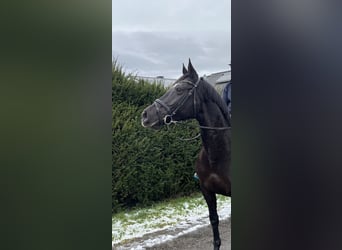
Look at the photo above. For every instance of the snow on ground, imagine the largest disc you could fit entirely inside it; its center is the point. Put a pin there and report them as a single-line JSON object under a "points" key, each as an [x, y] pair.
{"points": [[160, 224]]}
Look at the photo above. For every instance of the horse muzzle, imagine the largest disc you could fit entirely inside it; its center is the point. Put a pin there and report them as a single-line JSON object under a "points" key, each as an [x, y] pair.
{"points": [[144, 119], [148, 120]]}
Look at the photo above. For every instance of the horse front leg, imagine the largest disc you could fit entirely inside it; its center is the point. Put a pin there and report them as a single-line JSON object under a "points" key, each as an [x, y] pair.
{"points": [[210, 198]]}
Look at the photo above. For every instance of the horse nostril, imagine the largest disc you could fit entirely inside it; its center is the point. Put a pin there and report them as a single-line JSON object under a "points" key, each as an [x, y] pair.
{"points": [[144, 115]]}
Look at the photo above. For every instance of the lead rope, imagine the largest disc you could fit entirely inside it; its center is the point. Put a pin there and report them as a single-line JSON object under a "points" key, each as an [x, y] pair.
{"points": [[190, 139], [183, 139], [199, 134]]}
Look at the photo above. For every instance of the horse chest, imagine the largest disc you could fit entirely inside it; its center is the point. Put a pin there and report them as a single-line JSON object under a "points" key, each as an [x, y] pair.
{"points": [[215, 183]]}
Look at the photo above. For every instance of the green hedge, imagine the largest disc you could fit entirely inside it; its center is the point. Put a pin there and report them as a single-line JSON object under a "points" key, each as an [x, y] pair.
{"points": [[147, 165]]}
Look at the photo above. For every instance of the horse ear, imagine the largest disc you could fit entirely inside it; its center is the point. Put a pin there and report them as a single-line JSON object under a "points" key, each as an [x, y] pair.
{"points": [[184, 70], [192, 72]]}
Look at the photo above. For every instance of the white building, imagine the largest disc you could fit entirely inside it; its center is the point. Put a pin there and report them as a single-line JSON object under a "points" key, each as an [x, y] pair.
{"points": [[159, 79], [219, 80]]}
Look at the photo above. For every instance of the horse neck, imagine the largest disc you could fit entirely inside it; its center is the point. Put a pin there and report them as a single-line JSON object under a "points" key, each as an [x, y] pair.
{"points": [[210, 115]]}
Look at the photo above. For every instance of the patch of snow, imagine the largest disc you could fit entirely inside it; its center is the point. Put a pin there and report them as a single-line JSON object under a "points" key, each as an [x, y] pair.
{"points": [[170, 222]]}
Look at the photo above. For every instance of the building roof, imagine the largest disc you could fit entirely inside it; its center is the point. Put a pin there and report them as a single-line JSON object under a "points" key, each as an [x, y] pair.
{"points": [[214, 79], [219, 77]]}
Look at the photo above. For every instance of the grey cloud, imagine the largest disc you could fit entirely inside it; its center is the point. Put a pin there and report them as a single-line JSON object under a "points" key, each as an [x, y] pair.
{"points": [[155, 37], [162, 53], [176, 15]]}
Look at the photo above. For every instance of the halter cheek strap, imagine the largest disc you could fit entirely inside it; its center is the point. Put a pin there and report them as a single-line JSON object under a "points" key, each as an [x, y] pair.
{"points": [[164, 105], [168, 118]]}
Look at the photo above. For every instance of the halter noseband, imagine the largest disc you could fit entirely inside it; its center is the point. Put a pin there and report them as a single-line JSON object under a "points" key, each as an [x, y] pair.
{"points": [[168, 117]]}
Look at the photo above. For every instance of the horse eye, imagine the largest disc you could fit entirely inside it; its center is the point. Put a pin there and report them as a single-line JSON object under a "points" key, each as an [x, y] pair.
{"points": [[179, 90]]}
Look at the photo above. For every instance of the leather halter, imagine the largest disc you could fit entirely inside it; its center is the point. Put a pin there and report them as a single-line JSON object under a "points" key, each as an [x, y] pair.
{"points": [[168, 118]]}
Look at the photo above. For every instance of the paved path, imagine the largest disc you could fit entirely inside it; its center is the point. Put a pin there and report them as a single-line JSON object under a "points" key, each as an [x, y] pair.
{"points": [[200, 239]]}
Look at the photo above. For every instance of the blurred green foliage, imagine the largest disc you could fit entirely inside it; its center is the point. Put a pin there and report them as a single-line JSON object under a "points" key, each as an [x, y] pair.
{"points": [[55, 134], [147, 165]]}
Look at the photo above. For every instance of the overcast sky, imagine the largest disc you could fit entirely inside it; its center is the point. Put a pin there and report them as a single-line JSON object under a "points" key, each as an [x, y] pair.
{"points": [[154, 37]]}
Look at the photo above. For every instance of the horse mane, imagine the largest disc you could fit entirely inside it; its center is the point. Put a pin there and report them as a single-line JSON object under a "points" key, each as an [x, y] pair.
{"points": [[209, 91]]}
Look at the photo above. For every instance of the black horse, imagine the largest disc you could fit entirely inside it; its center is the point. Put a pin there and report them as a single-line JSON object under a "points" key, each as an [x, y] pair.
{"points": [[191, 97]]}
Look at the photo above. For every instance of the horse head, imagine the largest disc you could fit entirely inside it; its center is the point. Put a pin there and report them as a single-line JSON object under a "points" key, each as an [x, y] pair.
{"points": [[177, 104]]}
